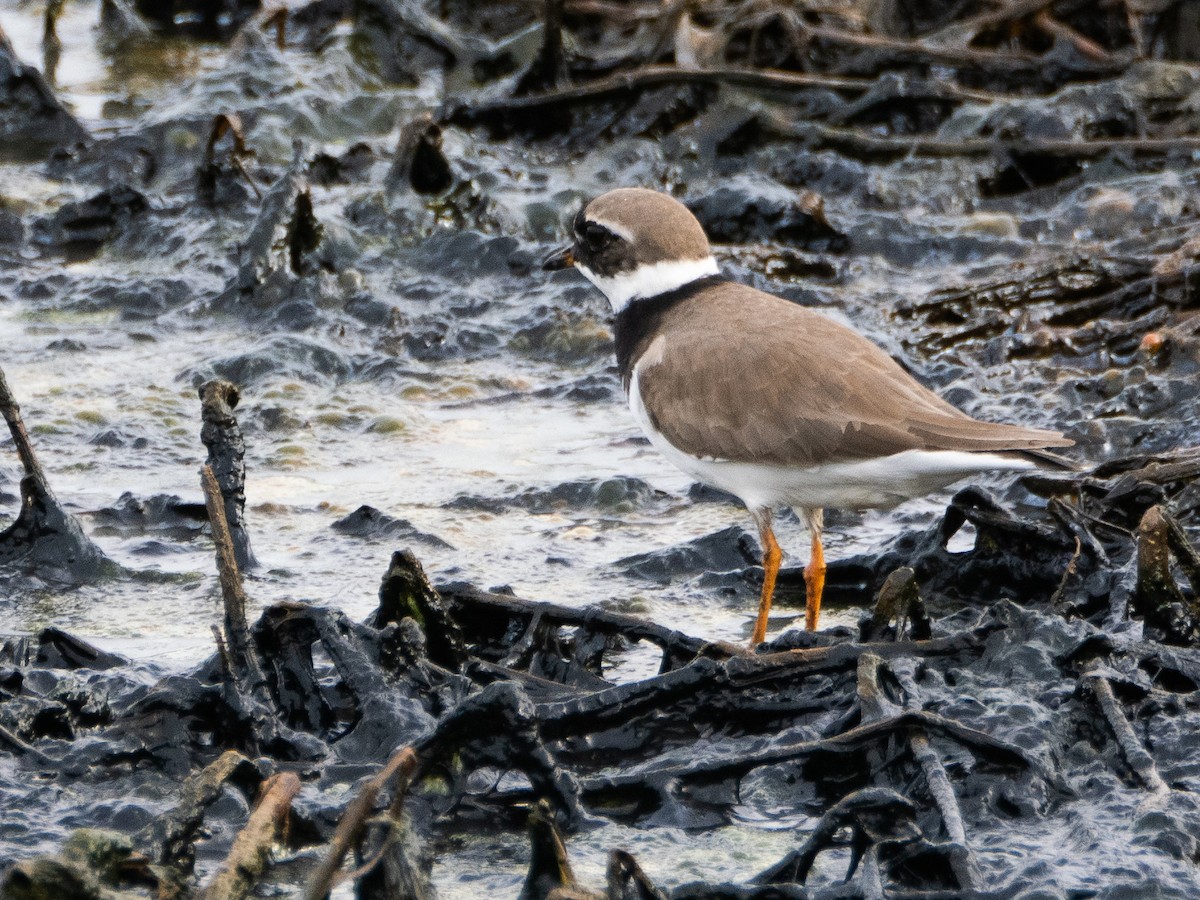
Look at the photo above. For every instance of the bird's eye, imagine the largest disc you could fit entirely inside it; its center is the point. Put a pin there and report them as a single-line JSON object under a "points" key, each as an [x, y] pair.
{"points": [[596, 237]]}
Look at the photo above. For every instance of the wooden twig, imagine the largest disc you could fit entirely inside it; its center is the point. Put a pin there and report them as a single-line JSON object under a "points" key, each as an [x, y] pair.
{"points": [[222, 436], [974, 25], [14, 743], [231, 124], [1083, 44], [251, 849], [624, 872], [962, 861], [172, 832], [655, 76], [1056, 598], [1135, 754], [11, 411], [468, 605], [1186, 556], [959, 57], [854, 141], [349, 832], [1157, 598], [233, 595]]}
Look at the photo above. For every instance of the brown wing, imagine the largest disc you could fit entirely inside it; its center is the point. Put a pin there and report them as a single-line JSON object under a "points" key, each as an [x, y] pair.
{"points": [[778, 383]]}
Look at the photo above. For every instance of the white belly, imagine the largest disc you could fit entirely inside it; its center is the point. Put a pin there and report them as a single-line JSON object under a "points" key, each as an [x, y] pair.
{"points": [[863, 484]]}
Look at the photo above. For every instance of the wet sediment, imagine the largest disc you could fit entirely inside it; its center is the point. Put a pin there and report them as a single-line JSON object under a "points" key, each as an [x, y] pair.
{"points": [[351, 197], [937, 743]]}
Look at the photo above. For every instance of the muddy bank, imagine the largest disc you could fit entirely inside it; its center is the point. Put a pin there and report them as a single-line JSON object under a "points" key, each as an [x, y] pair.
{"points": [[956, 743], [339, 208]]}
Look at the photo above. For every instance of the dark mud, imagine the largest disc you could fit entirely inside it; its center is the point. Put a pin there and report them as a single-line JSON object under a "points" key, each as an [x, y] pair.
{"points": [[339, 208]]}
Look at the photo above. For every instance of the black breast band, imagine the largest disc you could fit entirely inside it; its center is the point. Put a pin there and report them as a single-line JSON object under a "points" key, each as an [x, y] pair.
{"points": [[640, 317]]}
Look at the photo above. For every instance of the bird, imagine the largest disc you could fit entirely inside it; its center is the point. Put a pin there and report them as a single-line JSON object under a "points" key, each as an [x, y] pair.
{"points": [[766, 399]]}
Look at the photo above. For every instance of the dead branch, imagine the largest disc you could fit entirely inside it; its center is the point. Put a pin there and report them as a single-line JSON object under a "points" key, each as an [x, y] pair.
{"points": [[1157, 598], [11, 411], [1084, 45], [222, 436], [866, 145], [469, 607], [15, 744], [228, 124], [962, 858], [251, 849], [353, 824], [742, 757], [1135, 754], [985, 21], [172, 832], [626, 879], [237, 633], [45, 537], [550, 869], [894, 51]]}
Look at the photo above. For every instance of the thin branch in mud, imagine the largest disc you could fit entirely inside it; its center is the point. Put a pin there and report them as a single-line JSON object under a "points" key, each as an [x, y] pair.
{"points": [[856, 142], [349, 832], [550, 869], [654, 76], [549, 68], [233, 595], [626, 879], [1006, 15], [899, 601], [277, 20], [1186, 556], [11, 411], [873, 815], [1138, 758], [172, 832], [51, 42], [45, 537], [962, 858], [1084, 45], [895, 51], [14, 743], [231, 124], [1056, 597], [472, 608], [741, 760], [222, 436], [248, 856]]}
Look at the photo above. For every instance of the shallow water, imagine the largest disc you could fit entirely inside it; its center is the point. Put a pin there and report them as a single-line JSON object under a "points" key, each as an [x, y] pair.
{"points": [[471, 374]]}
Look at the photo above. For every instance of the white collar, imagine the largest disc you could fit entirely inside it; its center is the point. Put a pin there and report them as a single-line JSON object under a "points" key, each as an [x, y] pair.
{"points": [[649, 280]]}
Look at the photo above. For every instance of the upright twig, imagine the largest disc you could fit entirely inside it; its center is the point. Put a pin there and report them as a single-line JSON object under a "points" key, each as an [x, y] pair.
{"points": [[222, 436], [233, 595], [11, 411], [349, 832], [251, 850]]}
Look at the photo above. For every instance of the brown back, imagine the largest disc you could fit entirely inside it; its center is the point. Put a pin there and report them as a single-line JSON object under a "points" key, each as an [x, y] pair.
{"points": [[750, 377]]}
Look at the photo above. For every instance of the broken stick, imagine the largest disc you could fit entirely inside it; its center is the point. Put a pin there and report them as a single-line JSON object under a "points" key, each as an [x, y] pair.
{"points": [[251, 849], [349, 832]]}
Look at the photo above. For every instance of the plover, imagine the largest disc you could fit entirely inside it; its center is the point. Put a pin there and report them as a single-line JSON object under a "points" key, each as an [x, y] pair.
{"points": [[765, 399]]}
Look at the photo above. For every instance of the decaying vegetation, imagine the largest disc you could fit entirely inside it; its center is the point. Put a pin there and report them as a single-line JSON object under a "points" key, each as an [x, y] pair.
{"points": [[1044, 682]]}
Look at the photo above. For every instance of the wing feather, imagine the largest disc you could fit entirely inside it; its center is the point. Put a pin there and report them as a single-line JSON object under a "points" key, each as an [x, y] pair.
{"points": [[781, 384]]}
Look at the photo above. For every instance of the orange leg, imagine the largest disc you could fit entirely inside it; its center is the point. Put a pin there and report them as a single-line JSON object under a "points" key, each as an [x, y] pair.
{"points": [[814, 572], [772, 556]]}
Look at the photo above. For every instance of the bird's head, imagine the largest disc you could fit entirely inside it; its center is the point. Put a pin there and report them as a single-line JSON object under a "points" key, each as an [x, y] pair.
{"points": [[633, 243]]}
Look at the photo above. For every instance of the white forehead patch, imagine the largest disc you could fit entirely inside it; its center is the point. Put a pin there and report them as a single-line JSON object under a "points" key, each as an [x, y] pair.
{"points": [[619, 230], [649, 280]]}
